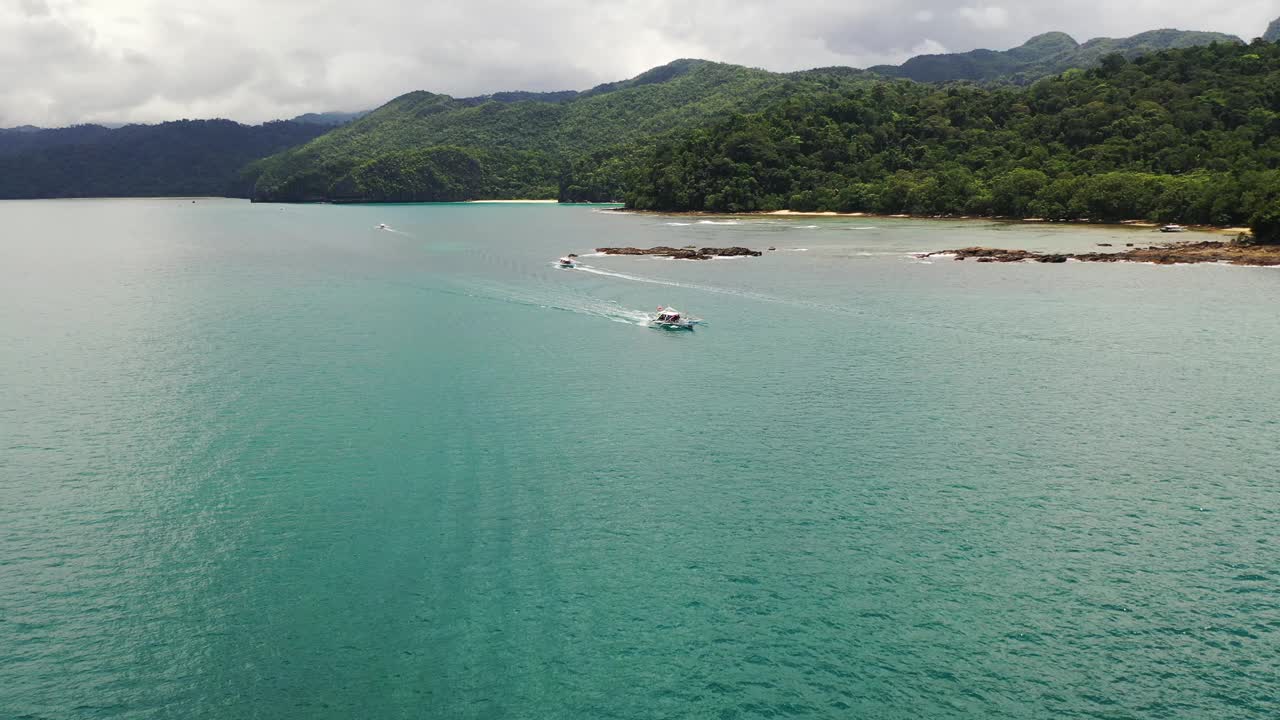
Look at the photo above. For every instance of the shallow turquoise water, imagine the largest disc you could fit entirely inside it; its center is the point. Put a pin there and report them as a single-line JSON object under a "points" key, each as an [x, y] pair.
{"points": [[270, 462]]}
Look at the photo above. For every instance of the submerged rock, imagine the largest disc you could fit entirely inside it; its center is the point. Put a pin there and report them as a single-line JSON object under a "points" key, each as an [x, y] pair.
{"points": [[734, 251], [986, 254], [689, 253], [1171, 254]]}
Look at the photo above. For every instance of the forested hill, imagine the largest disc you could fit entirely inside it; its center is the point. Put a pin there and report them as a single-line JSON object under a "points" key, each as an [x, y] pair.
{"points": [[186, 157], [1042, 56], [1187, 135], [575, 146], [423, 146]]}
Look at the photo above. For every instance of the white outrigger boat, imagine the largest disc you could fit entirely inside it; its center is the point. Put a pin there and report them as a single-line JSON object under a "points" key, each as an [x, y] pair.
{"points": [[568, 262], [1172, 228], [671, 319]]}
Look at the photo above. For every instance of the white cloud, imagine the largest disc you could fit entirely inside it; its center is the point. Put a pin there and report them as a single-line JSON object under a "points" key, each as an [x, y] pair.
{"points": [[65, 61], [928, 47], [985, 17]]}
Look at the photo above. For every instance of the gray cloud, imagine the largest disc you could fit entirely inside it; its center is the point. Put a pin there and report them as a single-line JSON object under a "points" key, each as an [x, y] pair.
{"points": [[67, 61]]}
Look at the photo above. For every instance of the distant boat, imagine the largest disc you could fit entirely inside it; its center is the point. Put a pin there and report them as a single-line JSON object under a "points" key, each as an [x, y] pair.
{"points": [[383, 226], [671, 319], [567, 263], [1172, 228]]}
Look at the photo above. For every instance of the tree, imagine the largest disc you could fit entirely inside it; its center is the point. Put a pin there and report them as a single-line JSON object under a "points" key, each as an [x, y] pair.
{"points": [[1013, 192], [1266, 224]]}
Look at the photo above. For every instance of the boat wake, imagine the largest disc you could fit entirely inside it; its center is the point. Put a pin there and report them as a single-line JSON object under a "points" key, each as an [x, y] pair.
{"points": [[383, 227], [639, 278], [610, 311], [591, 307], [746, 294]]}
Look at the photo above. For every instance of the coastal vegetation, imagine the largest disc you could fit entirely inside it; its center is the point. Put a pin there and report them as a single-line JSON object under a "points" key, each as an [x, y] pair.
{"points": [[1189, 135], [1265, 224]]}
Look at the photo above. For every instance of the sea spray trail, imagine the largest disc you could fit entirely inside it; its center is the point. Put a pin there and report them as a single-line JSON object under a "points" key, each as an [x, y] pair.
{"points": [[387, 228], [612, 311], [747, 294], [915, 318], [553, 300]]}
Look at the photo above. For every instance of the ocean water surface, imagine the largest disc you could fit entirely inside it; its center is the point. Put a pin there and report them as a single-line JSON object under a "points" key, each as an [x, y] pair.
{"points": [[262, 461]]}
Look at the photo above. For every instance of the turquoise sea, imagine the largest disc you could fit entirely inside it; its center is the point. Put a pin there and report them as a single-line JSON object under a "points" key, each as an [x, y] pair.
{"points": [[262, 461]]}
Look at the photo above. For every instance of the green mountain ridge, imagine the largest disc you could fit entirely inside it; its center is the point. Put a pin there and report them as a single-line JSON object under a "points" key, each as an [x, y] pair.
{"points": [[570, 145], [522, 145], [1041, 56]]}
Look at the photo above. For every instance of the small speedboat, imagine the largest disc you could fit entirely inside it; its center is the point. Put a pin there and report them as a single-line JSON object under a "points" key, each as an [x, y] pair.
{"points": [[1172, 228], [671, 319], [383, 226], [567, 262]]}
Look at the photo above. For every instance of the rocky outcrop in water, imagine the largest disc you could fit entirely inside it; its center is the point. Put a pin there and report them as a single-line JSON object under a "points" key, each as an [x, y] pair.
{"points": [[689, 253], [1235, 253]]}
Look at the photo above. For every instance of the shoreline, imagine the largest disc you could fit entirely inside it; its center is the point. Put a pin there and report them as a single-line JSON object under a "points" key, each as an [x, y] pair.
{"points": [[509, 202], [1133, 224]]}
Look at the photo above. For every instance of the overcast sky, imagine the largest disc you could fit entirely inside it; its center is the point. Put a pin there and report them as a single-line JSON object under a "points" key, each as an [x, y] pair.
{"points": [[70, 61]]}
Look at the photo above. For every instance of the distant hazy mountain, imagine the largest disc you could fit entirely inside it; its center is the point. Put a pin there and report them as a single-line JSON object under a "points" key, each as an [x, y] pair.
{"points": [[330, 119], [187, 157], [1273, 31], [1041, 56], [29, 137]]}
